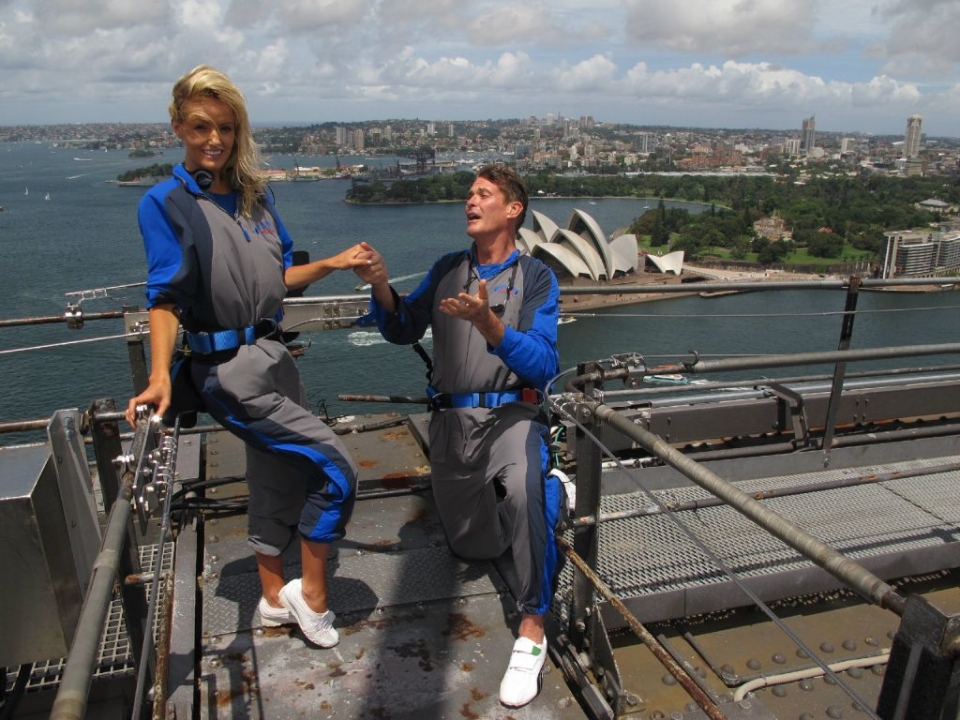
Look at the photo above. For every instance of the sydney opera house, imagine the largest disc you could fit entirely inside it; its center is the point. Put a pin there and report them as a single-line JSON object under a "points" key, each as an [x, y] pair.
{"points": [[580, 255]]}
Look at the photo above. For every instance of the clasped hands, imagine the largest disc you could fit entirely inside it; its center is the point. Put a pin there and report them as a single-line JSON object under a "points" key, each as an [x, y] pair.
{"points": [[473, 308]]}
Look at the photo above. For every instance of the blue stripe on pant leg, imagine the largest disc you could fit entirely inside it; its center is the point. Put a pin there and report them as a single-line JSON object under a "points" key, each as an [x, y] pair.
{"points": [[332, 520], [552, 499]]}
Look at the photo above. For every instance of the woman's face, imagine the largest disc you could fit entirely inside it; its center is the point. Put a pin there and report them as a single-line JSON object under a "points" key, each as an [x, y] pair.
{"points": [[208, 132]]}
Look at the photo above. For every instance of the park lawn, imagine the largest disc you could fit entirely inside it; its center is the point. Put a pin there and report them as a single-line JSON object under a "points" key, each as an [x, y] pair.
{"points": [[800, 257], [850, 254]]}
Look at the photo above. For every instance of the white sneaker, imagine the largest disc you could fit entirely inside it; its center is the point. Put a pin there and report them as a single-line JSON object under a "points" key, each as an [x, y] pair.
{"points": [[317, 627], [521, 682], [273, 617], [570, 486]]}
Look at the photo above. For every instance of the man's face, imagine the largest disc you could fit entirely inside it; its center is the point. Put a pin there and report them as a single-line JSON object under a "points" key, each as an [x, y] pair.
{"points": [[488, 212]]}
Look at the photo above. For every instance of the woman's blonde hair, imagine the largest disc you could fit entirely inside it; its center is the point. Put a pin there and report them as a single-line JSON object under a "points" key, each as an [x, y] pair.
{"points": [[242, 169]]}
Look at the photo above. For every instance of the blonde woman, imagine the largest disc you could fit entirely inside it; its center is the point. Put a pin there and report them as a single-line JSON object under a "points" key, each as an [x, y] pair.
{"points": [[219, 265]]}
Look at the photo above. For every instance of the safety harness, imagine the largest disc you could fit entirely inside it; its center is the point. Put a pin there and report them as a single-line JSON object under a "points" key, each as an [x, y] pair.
{"points": [[489, 400], [207, 343]]}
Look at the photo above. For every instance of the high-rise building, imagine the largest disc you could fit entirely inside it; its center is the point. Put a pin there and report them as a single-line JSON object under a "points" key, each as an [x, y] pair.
{"points": [[911, 147], [808, 135]]}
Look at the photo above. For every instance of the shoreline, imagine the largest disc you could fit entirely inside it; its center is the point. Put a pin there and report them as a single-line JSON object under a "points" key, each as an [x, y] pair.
{"points": [[571, 302]]}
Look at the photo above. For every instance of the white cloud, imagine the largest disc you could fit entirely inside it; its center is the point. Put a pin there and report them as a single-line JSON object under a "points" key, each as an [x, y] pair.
{"points": [[593, 75], [729, 27], [527, 24], [921, 39], [865, 63], [306, 16], [77, 17]]}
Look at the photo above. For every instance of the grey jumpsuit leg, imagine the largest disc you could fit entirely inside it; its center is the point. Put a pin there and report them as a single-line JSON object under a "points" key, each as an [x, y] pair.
{"points": [[488, 469], [256, 394]]}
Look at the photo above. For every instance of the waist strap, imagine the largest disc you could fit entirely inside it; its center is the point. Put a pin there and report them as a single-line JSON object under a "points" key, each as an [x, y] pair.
{"points": [[488, 400], [206, 343]]}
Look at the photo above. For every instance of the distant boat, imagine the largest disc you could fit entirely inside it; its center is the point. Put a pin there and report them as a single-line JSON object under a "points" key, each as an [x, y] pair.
{"points": [[47, 196], [26, 191], [566, 319]]}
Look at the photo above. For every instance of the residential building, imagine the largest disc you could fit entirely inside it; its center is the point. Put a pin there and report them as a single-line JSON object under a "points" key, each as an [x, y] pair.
{"points": [[808, 135], [911, 147], [921, 253]]}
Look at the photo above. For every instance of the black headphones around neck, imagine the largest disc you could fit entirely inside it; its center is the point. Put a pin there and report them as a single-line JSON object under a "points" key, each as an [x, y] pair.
{"points": [[204, 178]]}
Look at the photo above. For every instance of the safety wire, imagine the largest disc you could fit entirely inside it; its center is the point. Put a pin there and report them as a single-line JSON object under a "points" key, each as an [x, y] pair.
{"points": [[585, 315], [767, 610], [66, 343], [120, 336], [703, 316]]}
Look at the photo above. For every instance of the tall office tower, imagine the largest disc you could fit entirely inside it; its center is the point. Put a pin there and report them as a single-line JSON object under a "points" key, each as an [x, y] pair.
{"points": [[808, 139], [912, 139], [341, 136]]}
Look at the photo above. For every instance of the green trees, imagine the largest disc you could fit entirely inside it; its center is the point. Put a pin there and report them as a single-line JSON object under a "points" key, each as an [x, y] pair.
{"points": [[433, 188], [151, 171], [830, 217]]}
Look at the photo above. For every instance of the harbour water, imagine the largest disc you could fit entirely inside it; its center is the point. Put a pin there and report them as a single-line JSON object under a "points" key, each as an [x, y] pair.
{"points": [[66, 228]]}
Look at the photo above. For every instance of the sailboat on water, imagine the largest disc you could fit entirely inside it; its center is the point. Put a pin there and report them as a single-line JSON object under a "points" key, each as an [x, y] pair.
{"points": [[47, 196], [26, 191]]}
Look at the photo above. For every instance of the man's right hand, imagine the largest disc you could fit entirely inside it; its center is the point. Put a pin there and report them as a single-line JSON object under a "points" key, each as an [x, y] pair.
{"points": [[375, 273]]}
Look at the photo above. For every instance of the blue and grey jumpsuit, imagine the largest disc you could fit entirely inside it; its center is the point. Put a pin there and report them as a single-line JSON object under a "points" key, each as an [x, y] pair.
{"points": [[488, 442], [224, 272]]}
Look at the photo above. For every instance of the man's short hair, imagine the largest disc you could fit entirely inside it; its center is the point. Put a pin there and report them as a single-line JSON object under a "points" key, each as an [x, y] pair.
{"points": [[512, 185]]}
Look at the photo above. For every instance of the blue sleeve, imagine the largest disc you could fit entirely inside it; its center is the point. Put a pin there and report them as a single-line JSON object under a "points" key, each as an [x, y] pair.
{"points": [[530, 350], [412, 317], [286, 242], [414, 312], [163, 249]]}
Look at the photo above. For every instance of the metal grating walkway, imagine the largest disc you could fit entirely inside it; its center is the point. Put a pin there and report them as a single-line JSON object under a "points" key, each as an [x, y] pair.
{"points": [[894, 527], [113, 657]]}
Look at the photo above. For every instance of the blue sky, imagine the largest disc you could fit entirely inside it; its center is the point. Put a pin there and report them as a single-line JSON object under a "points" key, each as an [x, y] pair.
{"points": [[856, 65]]}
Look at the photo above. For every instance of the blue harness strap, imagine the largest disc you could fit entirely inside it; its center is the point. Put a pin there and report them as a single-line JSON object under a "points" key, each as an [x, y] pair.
{"points": [[204, 343], [207, 343], [487, 400]]}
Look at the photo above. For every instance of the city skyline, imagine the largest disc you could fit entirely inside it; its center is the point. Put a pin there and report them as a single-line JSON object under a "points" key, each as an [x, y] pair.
{"points": [[858, 66]]}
